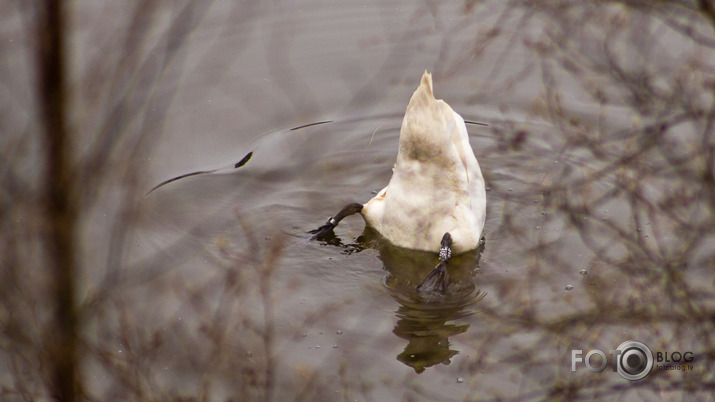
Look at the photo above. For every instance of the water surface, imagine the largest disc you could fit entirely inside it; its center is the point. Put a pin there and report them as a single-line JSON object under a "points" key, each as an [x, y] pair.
{"points": [[596, 149]]}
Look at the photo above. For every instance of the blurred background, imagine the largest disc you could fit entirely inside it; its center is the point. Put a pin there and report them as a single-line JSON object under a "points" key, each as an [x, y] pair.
{"points": [[599, 158]]}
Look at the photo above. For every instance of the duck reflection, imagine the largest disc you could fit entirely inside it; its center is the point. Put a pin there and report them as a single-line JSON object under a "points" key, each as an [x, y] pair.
{"points": [[426, 321]]}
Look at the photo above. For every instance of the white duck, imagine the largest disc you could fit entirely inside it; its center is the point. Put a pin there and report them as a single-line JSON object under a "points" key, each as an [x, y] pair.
{"points": [[436, 195]]}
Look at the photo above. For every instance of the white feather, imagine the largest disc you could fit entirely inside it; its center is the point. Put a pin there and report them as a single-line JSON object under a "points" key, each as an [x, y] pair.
{"points": [[436, 185]]}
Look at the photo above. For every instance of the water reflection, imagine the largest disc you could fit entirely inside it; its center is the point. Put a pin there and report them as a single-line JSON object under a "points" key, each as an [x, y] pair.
{"points": [[427, 321], [427, 336]]}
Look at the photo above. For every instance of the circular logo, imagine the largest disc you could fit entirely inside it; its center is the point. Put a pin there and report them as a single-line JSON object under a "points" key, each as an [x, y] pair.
{"points": [[635, 360]]}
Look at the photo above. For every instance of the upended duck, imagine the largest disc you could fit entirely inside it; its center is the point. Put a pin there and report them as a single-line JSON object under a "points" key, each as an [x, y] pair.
{"points": [[436, 199]]}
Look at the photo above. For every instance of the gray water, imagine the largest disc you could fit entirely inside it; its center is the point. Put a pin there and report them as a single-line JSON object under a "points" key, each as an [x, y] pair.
{"points": [[595, 142]]}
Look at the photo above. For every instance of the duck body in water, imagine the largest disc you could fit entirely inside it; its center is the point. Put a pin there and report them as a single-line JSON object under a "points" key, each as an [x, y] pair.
{"points": [[436, 199]]}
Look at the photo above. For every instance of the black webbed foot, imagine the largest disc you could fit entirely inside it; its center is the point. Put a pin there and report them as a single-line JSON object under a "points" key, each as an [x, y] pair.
{"points": [[325, 233], [436, 281]]}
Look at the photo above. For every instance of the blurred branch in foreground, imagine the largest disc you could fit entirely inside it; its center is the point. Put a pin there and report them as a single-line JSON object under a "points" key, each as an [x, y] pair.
{"points": [[60, 200]]}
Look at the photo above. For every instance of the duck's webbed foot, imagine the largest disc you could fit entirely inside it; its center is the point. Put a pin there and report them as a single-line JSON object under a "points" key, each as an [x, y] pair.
{"points": [[325, 232], [436, 281]]}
